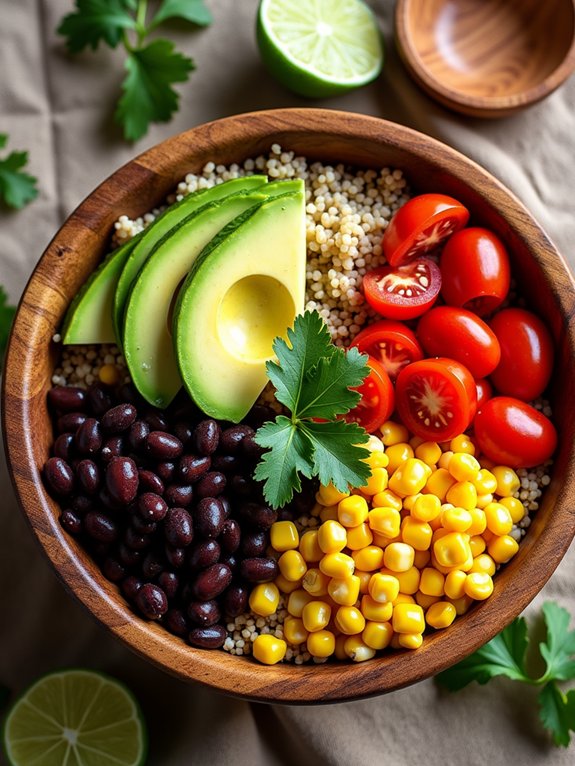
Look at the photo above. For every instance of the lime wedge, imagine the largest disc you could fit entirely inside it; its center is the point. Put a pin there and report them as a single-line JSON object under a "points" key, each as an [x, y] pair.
{"points": [[319, 48], [75, 718]]}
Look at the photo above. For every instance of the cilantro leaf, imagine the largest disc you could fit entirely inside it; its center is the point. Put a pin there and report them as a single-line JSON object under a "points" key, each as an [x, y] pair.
{"points": [[504, 655], [327, 385], [16, 188], [96, 21], [189, 10], [337, 459], [558, 650], [6, 316], [557, 713], [148, 95]]}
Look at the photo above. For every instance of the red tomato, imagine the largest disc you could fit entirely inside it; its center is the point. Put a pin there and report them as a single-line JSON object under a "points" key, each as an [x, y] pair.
{"points": [[404, 292], [513, 433], [484, 391], [461, 335], [421, 225], [391, 343], [377, 399], [436, 398], [475, 271], [526, 354]]}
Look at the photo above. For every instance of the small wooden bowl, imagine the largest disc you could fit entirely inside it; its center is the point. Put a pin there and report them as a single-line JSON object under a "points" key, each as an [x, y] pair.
{"points": [[142, 184], [487, 58]]}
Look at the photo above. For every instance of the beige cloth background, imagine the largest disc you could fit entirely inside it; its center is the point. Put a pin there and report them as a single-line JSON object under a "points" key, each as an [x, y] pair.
{"points": [[60, 109]]}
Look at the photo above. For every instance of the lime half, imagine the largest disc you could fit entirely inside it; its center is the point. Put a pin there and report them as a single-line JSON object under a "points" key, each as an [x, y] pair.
{"points": [[319, 48], [75, 718]]}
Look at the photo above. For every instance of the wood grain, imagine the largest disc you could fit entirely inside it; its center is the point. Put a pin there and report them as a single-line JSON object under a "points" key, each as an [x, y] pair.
{"points": [[487, 58], [142, 184]]}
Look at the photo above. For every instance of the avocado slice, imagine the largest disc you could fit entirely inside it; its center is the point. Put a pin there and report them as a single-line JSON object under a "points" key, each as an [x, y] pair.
{"points": [[147, 333], [169, 219], [244, 289]]}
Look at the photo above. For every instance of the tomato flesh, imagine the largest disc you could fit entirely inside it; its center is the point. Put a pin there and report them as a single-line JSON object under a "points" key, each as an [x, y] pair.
{"points": [[391, 343], [377, 399], [404, 292]]}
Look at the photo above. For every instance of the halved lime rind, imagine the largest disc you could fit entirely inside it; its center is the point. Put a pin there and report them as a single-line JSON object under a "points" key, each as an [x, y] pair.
{"points": [[320, 48], [77, 718]]}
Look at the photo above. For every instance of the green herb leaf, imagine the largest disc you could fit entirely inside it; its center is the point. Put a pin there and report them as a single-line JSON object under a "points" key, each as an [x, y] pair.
{"points": [[6, 316], [188, 10], [148, 95], [96, 21], [337, 459], [557, 713], [327, 393], [558, 650], [16, 188]]}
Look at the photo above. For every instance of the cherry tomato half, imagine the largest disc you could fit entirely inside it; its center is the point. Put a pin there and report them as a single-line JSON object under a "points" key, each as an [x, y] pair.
{"points": [[461, 335], [391, 343], [421, 225], [404, 292], [377, 399], [526, 354], [436, 398], [475, 271], [511, 432], [484, 391]]}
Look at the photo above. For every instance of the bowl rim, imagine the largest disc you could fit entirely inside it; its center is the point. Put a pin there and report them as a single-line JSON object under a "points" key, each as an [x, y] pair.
{"points": [[289, 684], [491, 106]]}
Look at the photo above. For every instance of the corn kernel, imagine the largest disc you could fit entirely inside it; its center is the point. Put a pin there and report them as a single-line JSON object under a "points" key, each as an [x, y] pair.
{"points": [[330, 495], [351, 512], [332, 537], [507, 481], [498, 518], [329, 513], [356, 650], [287, 586], [383, 588], [284, 536], [268, 649], [410, 640], [445, 459], [452, 550], [483, 500], [321, 643], [344, 592], [398, 454], [309, 546], [456, 519], [339, 651], [315, 582], [416, 533], [409, 501], [415, 441], [359, 537], [502, 549], [477, 545], [485, 482], [369, 558], [292, 565], [515, 508], [377, 482], [462, 443], [410, 477], [387, 499], [483, 563], [426, 507], [454, 584], [463, 495], [432, 582], [349, 620], [294, 630], [398, 557], [421, 559], [429, 452], [464, 467], [408, 580], [316, 615], [377, 635], [384, 521], [478, 586], [297, 600], [364, 578], [424, 600], [439, 484], [264, 599], [403, 598], [394, 643], [440, 615], [478, 522], [374, 610], [461, 604], [408, 618], [109, 374], [393, 433], [383, 542], [338, 565]]}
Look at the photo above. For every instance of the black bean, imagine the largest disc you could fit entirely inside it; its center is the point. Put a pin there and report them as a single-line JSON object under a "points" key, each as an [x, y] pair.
{"points": [[193, 467], [208, 638], [150, 482], [165, 470], [175, 556], [130, 586], [99, 399], [100, 550], [100, 527], [70, 422], [135, 540], [119, 418], [64, 447], [183, 430], [152, 565], [232, 562], [151, 601], [129, 557], [254, 544], [176, 622], [58, 476], [113, 570], [140, 525], [235, 600], [232, 438], [259, 569], [226, 463], [71, 521], [251, 450], [257, 516], [156, 420], [152, 507], [88, 476], [204, 554], [178, 527], [112, 446], [209, 517], [169, 582], [82, 504], [206, 437], [108, 501], [66, 398], [241, 485], [259, 414], [211, 484], [127, 393], [179, 494], [88, 437], [122, 479], [211, 582], [137, 435], [163, 446], [230, 536], [226, 504], [204, 613]]}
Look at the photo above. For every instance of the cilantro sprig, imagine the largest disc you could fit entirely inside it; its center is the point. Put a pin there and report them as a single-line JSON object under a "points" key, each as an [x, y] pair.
{"points": [[151, 67], [314, 380], [505, 654], [16, 187], [6, 316]]}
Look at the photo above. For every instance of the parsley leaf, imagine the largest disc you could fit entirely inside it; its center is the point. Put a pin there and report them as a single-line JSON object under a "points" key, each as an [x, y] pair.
{"points": [[6, 316], [148, 95], [96, 21], [189, 10], [16, 188], [559, 649], [313, 379], [557, 713]]}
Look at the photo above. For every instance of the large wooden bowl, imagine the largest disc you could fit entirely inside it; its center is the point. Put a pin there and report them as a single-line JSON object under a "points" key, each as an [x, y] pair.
{"points": [[142, 184]]}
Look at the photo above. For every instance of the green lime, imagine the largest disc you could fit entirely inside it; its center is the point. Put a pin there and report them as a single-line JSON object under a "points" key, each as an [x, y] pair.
{"points": [[319, 48], [75, 718]]}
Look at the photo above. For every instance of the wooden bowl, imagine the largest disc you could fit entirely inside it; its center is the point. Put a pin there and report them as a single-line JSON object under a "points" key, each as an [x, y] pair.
{"points": [[142, 184], [487, 58]]}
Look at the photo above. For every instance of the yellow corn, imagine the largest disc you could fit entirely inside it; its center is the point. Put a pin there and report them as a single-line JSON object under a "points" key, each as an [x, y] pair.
{"points": [[338, 565], [329, 495], [339, 652], [393, 433], [426, 507], [357, 650], [416, 533], [421, 559], [315, 582], [332, 537], [404, 598], [498, 518], [424, 600], [462, 494], [410, 640], [507, 481], [483, 563], [408, 618], [264, 599], [284, 536], [410, 477], [429, 452], [297, 600], [384, 521], [387, 499], [502, 549], [454, 584], [477, 545], [329, 513], [352, 511], [383, 588], [349, 620], [515, 508], [415, 441], [485, 482], [109, 374], [377, 482], [374, 610], [464, 467], [440, 615], [359, 537], [383, 541], [456, 519], [478, 586], [377, 635], [364, 578], [269, 649], [344, 592], [309, 546], [398, 557], [462, 443], [316, 615], [439, 484], [369, 558], [445, 459], [452, 550], [409, 501], [461, 604], [478, 522], [292, 565], [287, 586], [398, 454], [321, 643], [408, 580], [294, 630], [432, 582], [483, 500]]}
